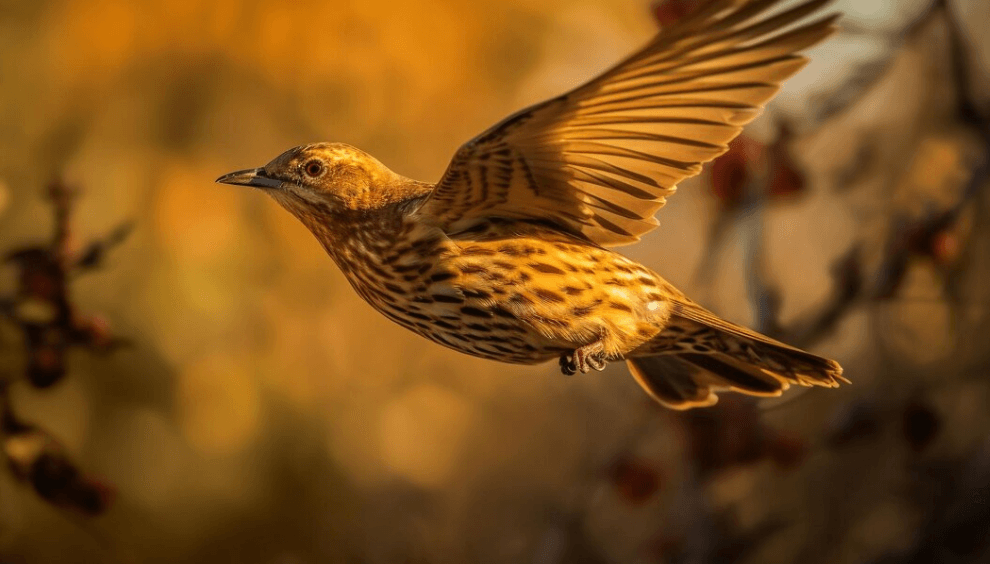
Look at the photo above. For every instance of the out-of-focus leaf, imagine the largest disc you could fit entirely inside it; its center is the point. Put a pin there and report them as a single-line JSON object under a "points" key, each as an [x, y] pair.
{"points": [[95, 253], [39, 460]]}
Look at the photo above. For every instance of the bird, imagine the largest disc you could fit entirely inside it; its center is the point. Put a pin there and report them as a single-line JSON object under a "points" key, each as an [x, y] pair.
{"points": [[510, 255]]}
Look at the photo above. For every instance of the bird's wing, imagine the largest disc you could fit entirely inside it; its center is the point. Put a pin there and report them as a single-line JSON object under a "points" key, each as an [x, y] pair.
{"points": [[599, 161]]}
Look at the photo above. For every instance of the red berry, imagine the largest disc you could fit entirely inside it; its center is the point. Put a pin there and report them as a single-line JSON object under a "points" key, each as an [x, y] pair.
{"points": [[635, 480]]}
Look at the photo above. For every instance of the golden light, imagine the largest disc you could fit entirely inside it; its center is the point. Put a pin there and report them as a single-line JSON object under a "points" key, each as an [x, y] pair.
{"points": [[425, 433], [218, 404]]}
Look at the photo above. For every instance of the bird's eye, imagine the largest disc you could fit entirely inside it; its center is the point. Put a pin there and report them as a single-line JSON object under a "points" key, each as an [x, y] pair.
{"points": [[313, 168]]}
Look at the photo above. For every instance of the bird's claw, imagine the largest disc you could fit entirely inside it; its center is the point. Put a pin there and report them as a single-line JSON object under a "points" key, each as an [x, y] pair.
{"points": [[583, 359], [596, 361], [567, 365]]}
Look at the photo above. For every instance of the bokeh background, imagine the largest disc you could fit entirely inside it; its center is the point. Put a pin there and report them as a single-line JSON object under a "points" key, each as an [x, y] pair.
{"points": [[260, 412]]}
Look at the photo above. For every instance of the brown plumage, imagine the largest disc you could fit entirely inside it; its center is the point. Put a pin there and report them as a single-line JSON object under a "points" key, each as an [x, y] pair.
{"points": [[507, 256]]}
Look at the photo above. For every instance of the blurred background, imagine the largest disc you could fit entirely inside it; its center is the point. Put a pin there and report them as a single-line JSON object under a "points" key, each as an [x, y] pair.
{"points": [[186, 377]]}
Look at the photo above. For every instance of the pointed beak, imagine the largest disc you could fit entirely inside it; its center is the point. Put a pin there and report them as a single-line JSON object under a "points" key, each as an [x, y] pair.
{"points": [[252, 177]]}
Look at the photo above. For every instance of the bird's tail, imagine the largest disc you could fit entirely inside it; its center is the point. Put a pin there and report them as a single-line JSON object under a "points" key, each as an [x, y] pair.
{"points": [[698, 354]]}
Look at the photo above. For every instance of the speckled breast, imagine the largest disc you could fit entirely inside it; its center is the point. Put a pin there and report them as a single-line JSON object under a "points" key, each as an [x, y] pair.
{"points": [[511, 292]]}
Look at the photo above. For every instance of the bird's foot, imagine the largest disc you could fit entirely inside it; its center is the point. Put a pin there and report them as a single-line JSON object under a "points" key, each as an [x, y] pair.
{"points": [[584, 359]]}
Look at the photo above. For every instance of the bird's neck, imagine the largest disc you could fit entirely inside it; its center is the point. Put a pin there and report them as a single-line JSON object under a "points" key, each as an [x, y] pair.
{"points": [[363, 232], [376, 243]]}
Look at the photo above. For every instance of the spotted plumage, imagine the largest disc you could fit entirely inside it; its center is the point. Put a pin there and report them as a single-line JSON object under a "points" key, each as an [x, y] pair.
{"points": [[507, 257]]}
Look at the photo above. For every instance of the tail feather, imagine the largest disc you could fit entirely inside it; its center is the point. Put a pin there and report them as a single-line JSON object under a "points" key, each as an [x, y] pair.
{"points": [[689, 381], [696, 356], [671, 381]]}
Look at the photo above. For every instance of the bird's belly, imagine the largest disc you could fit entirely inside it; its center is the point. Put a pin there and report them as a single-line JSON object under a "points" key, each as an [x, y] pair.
{"points": [[460, 318], [521, 299], [529, 301]]}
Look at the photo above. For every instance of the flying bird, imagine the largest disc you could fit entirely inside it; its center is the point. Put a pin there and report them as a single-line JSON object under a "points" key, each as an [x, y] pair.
{"points": [[509, 256]]}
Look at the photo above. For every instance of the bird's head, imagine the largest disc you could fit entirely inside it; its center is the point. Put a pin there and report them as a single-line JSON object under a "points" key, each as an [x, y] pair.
{"points": [[324, 178]]}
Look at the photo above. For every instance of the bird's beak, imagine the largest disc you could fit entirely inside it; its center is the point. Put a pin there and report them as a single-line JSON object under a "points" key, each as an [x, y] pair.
{"points": [[256, 177]]}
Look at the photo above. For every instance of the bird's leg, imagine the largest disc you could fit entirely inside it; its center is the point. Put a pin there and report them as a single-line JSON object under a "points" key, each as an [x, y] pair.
{"points": [[584, 359]]}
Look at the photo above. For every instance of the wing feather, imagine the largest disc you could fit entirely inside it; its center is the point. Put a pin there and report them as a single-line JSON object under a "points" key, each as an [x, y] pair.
{"points": [[600, 161]]}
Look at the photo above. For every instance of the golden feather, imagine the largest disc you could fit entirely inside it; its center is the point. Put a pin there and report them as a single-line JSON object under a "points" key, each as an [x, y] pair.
{"points": [[599, 161]]}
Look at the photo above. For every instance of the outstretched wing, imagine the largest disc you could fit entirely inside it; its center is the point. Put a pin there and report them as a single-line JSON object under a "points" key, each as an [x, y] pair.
{"points": [[600, 160]]}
